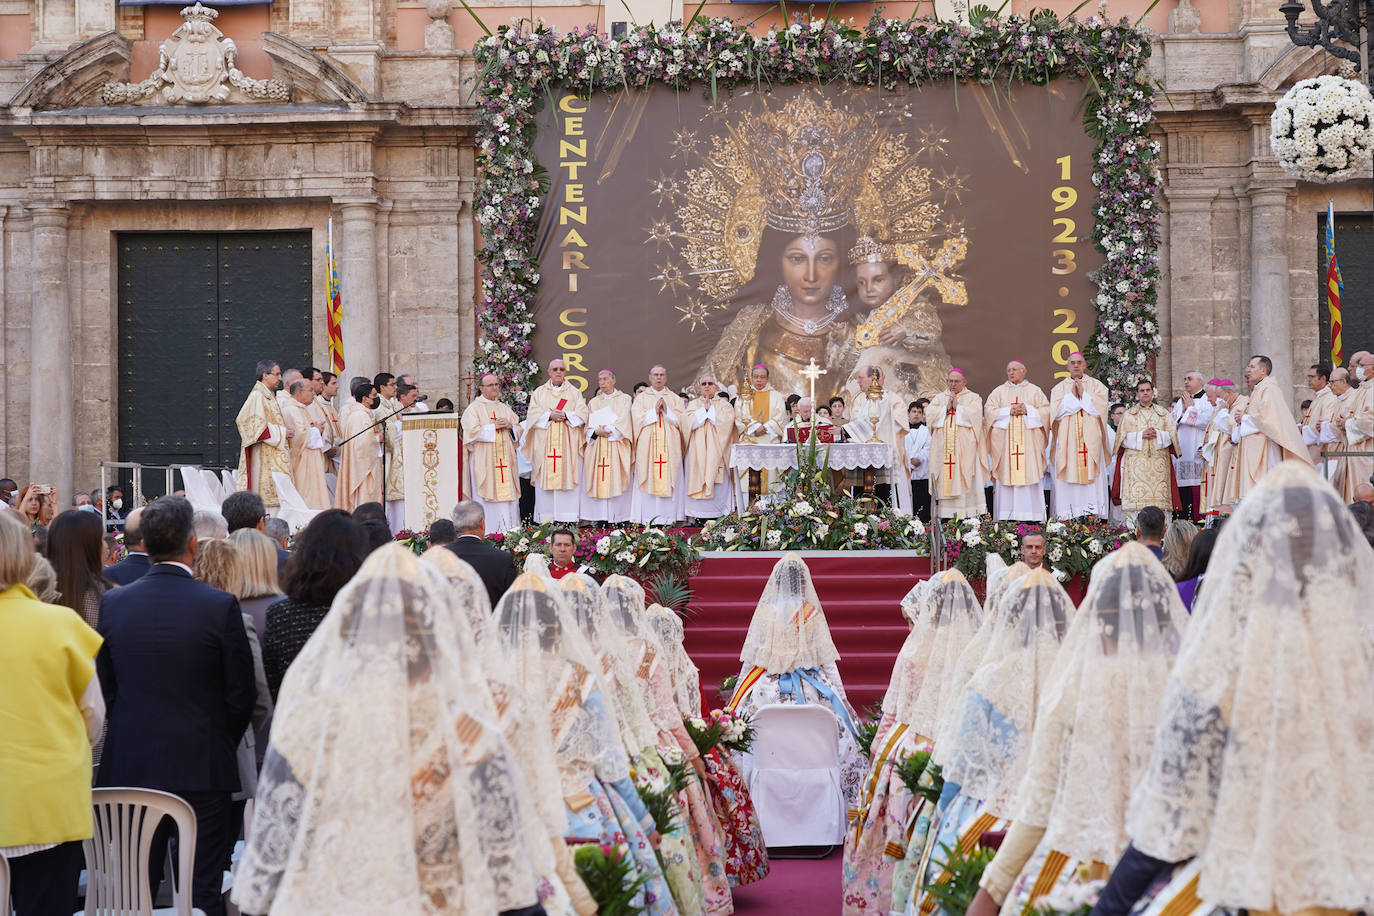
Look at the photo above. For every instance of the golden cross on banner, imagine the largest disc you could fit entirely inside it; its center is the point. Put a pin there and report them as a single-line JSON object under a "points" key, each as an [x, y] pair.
{"points": [[812, 372]]}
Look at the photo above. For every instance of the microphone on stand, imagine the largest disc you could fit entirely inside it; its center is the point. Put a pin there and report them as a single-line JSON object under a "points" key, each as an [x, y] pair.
{"points": [[422, 398]]}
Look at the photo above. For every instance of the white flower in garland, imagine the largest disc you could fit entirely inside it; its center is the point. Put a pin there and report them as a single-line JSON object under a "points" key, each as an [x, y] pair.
{"points": [[1322, 130]]}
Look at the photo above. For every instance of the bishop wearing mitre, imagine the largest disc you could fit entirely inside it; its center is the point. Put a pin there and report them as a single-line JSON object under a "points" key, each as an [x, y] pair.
{"points": [[264, 436], [711, 430], [1265, 433], [1349, 473], [1319, 422], [553, 446], [490, 429], [760, 418], [360, 454], [1016, 421], [1078, 450], [308, 445], [608, 456], [958, 464], [1216, 444], [880, 416], [659, 495], [1145, 442]]}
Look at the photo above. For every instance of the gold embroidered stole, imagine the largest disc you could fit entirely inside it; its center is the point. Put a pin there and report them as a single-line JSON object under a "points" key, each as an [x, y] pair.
{"points": [[556, 457], [951, 439], [659, 460], [601, 485], [1080, 452], [503, 467], [1016, 449]]}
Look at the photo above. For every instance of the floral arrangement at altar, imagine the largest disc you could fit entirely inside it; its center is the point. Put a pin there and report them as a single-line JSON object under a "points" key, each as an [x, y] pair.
{"points": [[519, 65], [1071, 547], [1321, 130]]}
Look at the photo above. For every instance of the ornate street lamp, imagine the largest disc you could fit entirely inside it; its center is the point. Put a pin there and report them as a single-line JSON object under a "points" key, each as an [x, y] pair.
{"points": [[1341, 29]]}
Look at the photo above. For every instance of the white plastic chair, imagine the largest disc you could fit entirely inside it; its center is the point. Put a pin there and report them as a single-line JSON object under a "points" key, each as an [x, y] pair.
{"points": [[213, 485], [293, 509], [117, 855], [231, 484], [793, 775], [194, 485]]}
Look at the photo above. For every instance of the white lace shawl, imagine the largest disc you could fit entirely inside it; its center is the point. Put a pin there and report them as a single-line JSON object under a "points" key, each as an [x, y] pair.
{"points": [[788, 630], [991, 741], [1262, 761], [913, 601], [686, 677], [538, 564], [388, 784], [1096, 726], [555, 664], [478, 610], [994, 613], [613, 648], [949, 617]]}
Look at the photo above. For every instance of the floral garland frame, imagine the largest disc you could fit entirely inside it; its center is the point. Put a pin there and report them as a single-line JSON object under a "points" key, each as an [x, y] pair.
{"points": [[520, 63]]}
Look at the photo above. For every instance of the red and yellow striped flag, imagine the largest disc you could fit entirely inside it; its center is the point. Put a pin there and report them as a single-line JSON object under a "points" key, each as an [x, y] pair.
{"points": [[334, 305], [1333, 285]]}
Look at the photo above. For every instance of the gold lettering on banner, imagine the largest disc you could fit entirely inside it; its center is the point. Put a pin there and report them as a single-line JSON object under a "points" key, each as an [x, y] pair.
{"points": [[429, 457], [572, 156], [1064, 197]]}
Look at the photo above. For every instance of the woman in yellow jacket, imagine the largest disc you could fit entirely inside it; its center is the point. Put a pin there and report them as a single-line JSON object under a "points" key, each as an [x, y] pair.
{"points": [[50, 706]]}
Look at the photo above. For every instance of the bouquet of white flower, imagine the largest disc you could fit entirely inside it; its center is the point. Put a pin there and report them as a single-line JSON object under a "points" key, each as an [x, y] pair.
{"points": [[1321, 130]]}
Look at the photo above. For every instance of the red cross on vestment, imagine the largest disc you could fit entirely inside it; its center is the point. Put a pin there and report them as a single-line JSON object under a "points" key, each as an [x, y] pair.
{"points": [[554, 456], [949, 463], [659, 462], [602, 467], [501, 467], [1017, 453]]}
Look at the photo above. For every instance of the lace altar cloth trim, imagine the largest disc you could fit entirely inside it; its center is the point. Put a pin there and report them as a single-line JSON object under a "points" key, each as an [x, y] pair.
{"points": [[843, 456]]}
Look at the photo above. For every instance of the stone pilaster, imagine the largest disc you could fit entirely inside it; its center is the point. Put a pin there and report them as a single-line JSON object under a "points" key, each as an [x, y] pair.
{"points": [[1271, 318], [358, 288], [51, 417]]}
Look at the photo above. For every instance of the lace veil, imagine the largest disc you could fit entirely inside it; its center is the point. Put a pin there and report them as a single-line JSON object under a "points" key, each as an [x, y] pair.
{"points": [[555, 664], [788, 630], [1096, 726], [1261, 764], [388, 784], [475, 604], [949, 617], [990, 740], [538, 564], [666, 623], [913, 602], [972, 656]]}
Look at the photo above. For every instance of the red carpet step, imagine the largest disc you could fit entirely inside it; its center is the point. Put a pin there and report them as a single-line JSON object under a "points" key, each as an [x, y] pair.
{"points": [[861, 592]]}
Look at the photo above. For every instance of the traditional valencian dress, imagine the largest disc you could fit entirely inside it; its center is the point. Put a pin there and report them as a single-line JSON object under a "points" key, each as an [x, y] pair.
{"points": [[552, 660], [746, 854], [1268, 700], [789, 657], [1102, 706], [944, 615], [388, 785], [991, 734]]}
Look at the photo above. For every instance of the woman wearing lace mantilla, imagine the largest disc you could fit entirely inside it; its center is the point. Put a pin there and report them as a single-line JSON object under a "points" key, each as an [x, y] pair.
{"points": [[789, 657], [990, 741], [944, 615], [1093, 736], [388, 785], [1260, 771]]}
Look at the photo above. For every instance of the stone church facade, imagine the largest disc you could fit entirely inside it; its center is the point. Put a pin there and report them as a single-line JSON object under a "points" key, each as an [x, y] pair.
{"points": [[360, 111]]}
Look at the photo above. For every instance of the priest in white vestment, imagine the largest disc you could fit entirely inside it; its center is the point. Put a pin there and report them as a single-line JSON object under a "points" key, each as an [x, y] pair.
{"points": [[1319, 420], [918, 460], [360, 453], [1349, 473], [490, 430], [308, 446], [1191, 412], [608, 456], [1016, 422], [1080, 447], [1216, 445], [877, 415], [264, 436], [660, 495], [1265, 433], [553, 446], [711, 425], [958, 458], [760, 417]]}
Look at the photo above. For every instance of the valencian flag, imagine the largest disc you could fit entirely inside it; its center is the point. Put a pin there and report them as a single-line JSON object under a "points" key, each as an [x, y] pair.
{"points": [[1333, 285], [334, 306]]}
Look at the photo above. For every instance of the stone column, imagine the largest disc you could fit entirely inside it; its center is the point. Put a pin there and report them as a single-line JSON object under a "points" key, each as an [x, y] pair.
{"points": [[52, 439], [358, 288], [1271, 319], [1187, 327]]}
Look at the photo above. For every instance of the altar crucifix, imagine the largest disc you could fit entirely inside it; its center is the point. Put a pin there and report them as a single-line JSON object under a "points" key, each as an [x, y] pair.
{"points": [[812, 372]]}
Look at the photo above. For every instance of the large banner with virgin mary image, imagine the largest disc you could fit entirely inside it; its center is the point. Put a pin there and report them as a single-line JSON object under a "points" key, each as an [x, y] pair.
{"points": [[913, 230]]}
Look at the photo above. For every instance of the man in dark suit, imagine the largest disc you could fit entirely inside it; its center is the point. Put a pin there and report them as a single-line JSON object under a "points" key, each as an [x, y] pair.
{"points": [[136, 564], [494, 565], [177, 675], [245, 509]]}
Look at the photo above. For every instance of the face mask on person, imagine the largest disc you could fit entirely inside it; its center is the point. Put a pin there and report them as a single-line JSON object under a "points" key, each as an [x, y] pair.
{"points": [[1359, 373], [117, 503]]}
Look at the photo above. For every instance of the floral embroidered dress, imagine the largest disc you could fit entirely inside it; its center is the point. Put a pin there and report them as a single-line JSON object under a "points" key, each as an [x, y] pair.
{"points": [[944, 615]]}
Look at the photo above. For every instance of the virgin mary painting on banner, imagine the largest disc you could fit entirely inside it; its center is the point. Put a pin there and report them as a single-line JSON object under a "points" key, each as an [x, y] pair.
{"points": [[814, 198]]}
